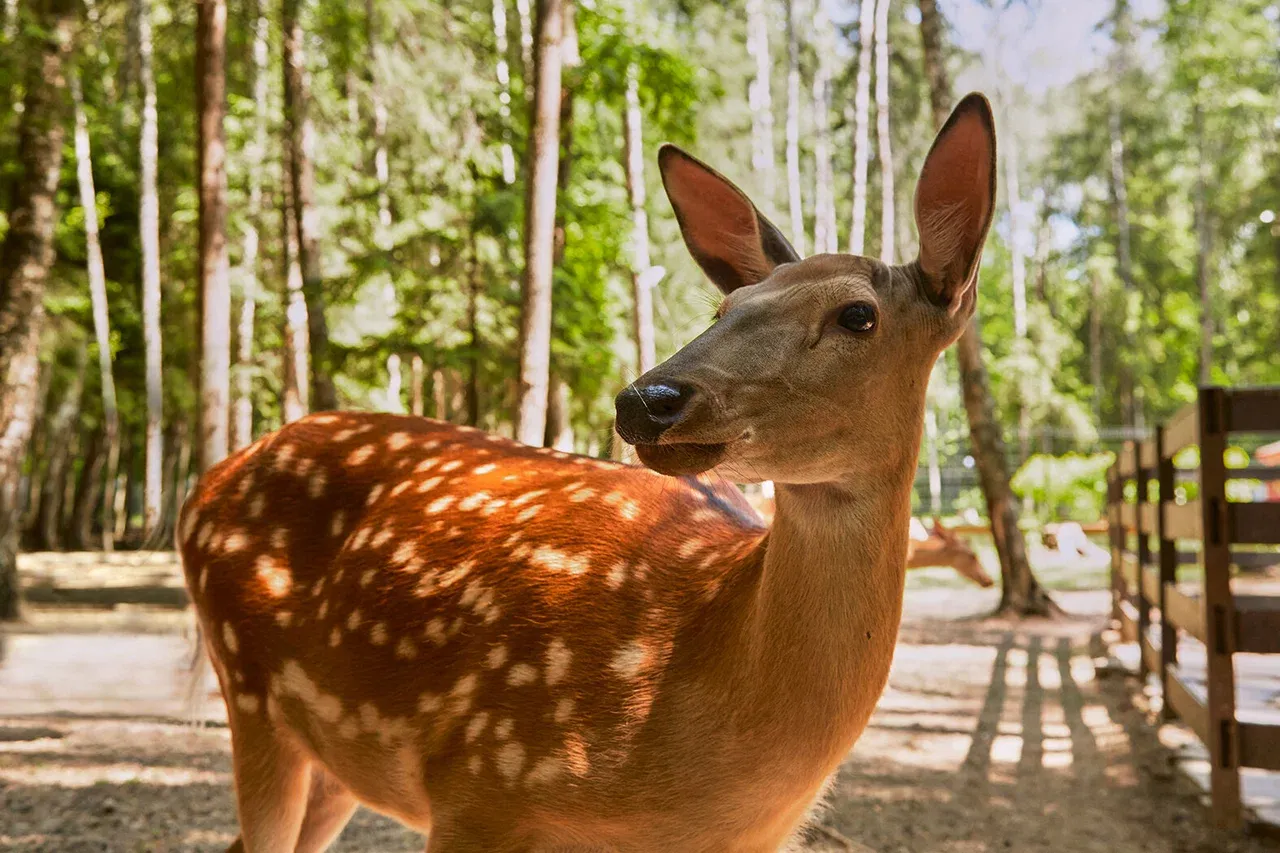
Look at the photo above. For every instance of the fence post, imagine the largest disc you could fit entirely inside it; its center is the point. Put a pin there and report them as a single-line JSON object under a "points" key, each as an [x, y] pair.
{"points": [[1143, 553], [1168, 570], [1224, 748], [1115, 494]]}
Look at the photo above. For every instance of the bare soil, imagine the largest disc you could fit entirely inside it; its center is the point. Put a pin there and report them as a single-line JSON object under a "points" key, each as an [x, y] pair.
{"points": [[990, 737]]}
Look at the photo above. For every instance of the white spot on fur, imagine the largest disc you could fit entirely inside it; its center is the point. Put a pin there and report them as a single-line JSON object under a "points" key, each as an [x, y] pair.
{"points": [[564, 710], [476, 725], [382, 537], [229, 638], [617, 575], [284, 618], [236, 541], [435, 631], [510, 760], [452, 465], [558, 561], [335, 637], [457, 573], [361, 537], [398, 440], [529, 513], [374, 494], [497, 656], [248, 703], [475, 763], [441, 504], [317, 483], [400, 488], [280, 538], [558, 657], [406, 650], [631, 659], [481, 470], [522, 674], [502, 730], [337, 523], [582, 495], [406, 552], [629, 511], [426, 465], [257, 505], [378, 633], [429, 484], [428, 703], [528, 496], [353, 620], [473, 502], [277, 578], [546, 769], [360, 455]]}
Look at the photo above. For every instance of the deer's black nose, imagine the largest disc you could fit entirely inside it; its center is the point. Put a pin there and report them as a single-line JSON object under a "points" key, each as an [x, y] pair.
{"points": [[647, 411]]}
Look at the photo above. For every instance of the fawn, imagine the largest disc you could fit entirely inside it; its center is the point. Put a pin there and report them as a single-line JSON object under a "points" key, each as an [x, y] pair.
{"points": [[940, 547], [516, 649]]}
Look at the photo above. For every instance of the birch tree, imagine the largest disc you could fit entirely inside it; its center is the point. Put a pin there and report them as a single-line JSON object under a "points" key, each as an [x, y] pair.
{"points": [[504, 81], [761, 100], [214, 275], [255, 161], [824, 214], [300, 136], [861, 134], [378, 112], [149, 241], [884, 140], [98, 302], [539, 229], [794, 198]]}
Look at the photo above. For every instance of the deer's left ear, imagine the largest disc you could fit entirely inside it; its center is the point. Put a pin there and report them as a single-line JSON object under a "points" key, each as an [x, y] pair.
{"points": [[955, 198], [732, 241]]}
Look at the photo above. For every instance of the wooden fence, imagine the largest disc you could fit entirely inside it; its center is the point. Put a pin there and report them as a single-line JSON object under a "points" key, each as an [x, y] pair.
{"points": [[1155, 521]]}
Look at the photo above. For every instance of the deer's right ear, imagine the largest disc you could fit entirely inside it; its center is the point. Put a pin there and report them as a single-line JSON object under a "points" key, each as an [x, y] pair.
{"points": [[731, 240], [955, 198]]}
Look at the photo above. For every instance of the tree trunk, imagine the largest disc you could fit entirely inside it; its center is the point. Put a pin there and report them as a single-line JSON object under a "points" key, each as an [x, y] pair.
{"points": [[794, 200], [25, 259], [149, 239], [88, 492], [559, 426], [861, 135], [301, 144], [395, 384], [61, 430], [526, 45], [935, 466], [885, 142], [215, 283], [824, 214], [539, 229], [378, 109], [1095, 342], [1204, 241], [644, 276], [101, 323], [1120, 202], [256, 158], [439, 396], [504, 80], [761, 100], [182, 470], [474, 343], [417, 377], [1021, 594], [39, 448], [297, 366], [168, 473]]}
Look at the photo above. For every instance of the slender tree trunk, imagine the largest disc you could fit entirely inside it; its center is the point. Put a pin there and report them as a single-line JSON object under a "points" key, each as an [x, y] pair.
{"points": [[1021, 593], [1120, 202], [644, 276], [885, 142], [861, 134], [40, 448], [539, 229], [215, 283], [526, 45], [935, 466], [88, 492], [61, 431], [297, 365], [474, 286], [167, 473], [395, 384], [98, 300], [794, 200], [439, 396], [255, 162], [761, 100], [1018, 264], [1204, 253], [182, 471], [149, 240], [301, 145], [824, 215], [25, 259], [1095, 342], [417, 376], [559, 426], [378, 109], [504, 97]]}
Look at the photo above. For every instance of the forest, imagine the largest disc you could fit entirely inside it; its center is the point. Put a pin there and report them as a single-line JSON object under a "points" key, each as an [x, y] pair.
{"points": [[219, 216]]}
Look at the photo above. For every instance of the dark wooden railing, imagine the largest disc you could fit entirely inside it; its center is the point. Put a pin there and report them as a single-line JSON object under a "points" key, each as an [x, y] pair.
{"points": [[1149, 530]]}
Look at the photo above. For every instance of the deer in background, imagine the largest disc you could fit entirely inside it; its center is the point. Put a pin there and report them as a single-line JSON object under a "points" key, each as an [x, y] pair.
{"points": [[516, 649], [938, 546]]}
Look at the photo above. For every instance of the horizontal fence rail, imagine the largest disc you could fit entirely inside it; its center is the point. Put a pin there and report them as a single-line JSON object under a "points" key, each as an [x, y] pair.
{"points": [[1155, 529]]}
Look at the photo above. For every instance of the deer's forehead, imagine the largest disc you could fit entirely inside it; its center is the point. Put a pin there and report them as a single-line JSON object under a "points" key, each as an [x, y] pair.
{"points": [[801, 288]]}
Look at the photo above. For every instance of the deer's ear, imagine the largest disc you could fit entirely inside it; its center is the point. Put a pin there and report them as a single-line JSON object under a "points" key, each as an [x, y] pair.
{"points": [[954, 202], [731, 240]]}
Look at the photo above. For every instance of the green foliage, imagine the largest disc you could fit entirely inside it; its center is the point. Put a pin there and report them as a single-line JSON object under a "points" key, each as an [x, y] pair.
{"points": [[1072, 486]]}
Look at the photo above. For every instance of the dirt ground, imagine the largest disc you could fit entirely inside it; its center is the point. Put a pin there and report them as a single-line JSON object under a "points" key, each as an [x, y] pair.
{"points": [[989, 738]]}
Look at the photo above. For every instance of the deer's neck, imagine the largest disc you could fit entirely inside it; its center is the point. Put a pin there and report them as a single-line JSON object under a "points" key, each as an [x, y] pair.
{"points": [[828, 603]]}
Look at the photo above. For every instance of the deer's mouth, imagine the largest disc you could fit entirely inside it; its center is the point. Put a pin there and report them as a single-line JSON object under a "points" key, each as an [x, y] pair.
{"points": [[681, 459]]}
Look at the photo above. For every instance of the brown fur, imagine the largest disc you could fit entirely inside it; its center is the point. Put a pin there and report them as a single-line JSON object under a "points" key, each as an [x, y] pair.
{"points": [[516, 649]]}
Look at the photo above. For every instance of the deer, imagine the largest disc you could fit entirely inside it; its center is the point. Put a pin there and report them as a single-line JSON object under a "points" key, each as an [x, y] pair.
{"points": [[510, 648], [938, 546]]}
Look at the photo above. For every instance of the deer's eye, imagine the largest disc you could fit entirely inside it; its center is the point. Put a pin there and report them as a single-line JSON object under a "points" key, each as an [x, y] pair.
{"points": [[859, 317]]}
